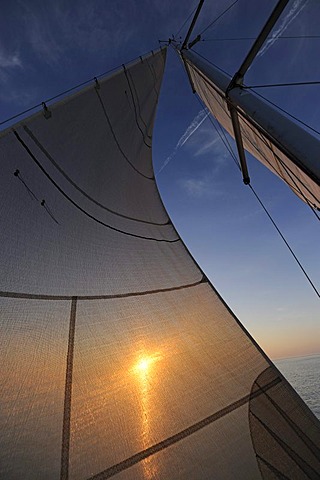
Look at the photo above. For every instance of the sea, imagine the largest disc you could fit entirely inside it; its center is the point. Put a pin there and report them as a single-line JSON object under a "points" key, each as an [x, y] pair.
{"points": [[304, 375]]}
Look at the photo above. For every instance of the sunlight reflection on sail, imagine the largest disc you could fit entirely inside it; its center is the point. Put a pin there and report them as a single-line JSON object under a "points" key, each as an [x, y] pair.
{"points": [[145, 373]]}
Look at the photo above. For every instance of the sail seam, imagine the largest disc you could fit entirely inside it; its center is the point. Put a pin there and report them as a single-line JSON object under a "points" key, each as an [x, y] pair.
{"points": [[65, 446], [306, 468], [143, 454], [82, 209], [36, 296], [303, 437], [272, 468]]}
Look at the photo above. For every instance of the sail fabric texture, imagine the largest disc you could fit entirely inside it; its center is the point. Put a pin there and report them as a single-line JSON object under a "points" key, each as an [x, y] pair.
{"points": [[118, 357], [258, 134]]}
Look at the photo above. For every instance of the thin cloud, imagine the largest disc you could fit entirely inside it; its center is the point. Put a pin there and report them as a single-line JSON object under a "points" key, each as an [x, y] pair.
{"points": [[9, 60], [192, 128], [54, 32], [204, 186], [297, 7], [196, 187]]}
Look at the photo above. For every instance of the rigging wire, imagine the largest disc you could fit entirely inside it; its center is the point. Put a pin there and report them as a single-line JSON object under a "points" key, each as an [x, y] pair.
{"points": [[184, 23], [254, 38], [230, 150], [219, 16], [285, 241], [291, 84]]}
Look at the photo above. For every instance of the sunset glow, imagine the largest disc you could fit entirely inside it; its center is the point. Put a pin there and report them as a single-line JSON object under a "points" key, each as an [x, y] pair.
{"points": [[145, 370], [142, 367]]}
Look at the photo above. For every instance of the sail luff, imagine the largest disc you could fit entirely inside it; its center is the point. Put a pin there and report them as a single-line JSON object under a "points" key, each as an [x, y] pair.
{"points": [[292, 141]]}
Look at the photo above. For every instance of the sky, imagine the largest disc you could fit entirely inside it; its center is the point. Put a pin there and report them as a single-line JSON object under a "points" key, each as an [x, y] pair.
{"points": [[49, 47]]}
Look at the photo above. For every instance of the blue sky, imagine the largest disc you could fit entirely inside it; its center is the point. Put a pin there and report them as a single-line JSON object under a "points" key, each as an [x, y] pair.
{"points": [[48, 47]]}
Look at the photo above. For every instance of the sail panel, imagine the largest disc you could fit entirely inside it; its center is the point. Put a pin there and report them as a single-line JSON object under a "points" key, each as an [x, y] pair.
{"points": [[32, 379], [119, 357], [256, 140]]}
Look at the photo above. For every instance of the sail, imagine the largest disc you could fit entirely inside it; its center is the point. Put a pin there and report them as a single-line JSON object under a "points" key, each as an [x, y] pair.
{"points": [[280, 144], [118, 356]]}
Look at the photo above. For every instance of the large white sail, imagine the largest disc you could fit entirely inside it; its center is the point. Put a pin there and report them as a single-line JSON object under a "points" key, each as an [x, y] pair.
{"points": [[118, 356]]}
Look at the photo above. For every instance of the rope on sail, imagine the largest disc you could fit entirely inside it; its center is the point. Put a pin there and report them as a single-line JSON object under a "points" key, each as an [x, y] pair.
{"points": [[76, 186], [135, 108], [36, 161], [115, 138]]}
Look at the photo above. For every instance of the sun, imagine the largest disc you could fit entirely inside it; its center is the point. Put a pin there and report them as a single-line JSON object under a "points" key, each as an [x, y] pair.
{"points": [[144, 363]]}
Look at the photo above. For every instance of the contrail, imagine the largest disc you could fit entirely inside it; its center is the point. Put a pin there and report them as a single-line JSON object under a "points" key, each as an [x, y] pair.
{"points": [[297, 7], [194, 125]]}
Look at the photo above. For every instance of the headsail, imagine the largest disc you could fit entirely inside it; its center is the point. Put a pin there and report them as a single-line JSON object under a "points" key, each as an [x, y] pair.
{"points": [[119, 357], [282, 146]]}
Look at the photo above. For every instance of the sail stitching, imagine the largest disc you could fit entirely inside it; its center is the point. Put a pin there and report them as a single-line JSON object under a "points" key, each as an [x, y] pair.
{"points": [[82, 209]]}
